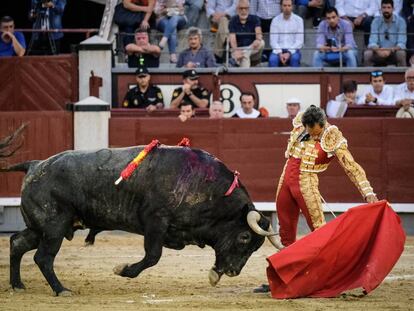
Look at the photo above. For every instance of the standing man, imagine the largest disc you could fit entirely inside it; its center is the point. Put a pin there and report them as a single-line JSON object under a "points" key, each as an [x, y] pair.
{"points": [[144, 95], [196, 56], [312, 145], [190, 92], [246, 39], [335, 40], [142, 53], [12, 42], [377, 93], [46, 15], [247, 110], [387, 42], [286, 37]]}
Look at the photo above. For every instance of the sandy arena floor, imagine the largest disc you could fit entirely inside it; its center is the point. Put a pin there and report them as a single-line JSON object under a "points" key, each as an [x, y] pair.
{"points": [[179, 281]]}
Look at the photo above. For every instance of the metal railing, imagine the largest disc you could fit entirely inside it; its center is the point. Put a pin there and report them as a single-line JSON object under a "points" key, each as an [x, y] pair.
{"points": [[307, 50]]}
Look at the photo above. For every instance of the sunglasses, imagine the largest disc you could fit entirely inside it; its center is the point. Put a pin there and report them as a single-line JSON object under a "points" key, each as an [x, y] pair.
{"points": [[376, 73], [142, 76], [386, 35]]}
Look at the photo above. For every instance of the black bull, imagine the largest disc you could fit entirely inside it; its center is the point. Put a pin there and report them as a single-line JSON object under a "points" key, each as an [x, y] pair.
{"points": [[174, 198]]}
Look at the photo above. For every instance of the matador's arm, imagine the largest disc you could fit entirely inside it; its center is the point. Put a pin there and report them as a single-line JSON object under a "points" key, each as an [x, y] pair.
{"points": [[333, 142]]}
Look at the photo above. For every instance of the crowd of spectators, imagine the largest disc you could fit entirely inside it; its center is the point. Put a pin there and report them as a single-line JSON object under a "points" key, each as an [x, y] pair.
{"points": [[240, 29]]}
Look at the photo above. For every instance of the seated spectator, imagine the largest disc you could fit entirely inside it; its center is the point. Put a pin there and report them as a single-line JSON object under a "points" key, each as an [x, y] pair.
{"points": [[186, 111], [196, 56], [408, 15], [266, 10], [338, 107], [192, 11], [170, 19], [335, 41], [388, 38], [142, 53], [377, 93], [247, 110], [246, 40], [190, 92], [359, 13], [219, 13], [216, 110], [12, 42], [143, 8], [292, 107], [144, 95], [404, 95], [46, 15], [349, 95], [312, 8], [286, 37]]}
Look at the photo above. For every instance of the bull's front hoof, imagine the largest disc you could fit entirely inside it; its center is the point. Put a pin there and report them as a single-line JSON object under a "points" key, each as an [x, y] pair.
{"points": [[213, 277], [88, 243], [120, 268], [65, 293], [19, 289]]}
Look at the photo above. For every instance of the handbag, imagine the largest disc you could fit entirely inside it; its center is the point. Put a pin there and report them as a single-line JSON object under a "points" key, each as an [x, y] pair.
{"points": [[126, 18]]}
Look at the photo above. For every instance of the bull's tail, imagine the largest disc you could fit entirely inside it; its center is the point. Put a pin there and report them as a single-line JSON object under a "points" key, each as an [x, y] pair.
{"points": [[20, 167]]}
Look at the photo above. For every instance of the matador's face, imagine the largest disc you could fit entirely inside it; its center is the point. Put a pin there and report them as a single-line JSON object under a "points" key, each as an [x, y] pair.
{"points": [[314, 131]]}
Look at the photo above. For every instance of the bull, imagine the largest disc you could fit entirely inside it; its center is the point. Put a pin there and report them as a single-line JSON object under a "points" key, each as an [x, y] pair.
{"points": [[174, 198]]}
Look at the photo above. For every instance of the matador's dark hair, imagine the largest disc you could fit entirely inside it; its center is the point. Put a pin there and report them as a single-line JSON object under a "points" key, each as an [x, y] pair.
{"points": [[314, 115]]}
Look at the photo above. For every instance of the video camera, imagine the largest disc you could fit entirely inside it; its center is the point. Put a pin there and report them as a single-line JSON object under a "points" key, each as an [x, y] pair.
{"points": [[38, 9]]}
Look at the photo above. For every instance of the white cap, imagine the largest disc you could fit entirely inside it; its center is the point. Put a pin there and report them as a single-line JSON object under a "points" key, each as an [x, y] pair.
{"points": [[294, 100]]}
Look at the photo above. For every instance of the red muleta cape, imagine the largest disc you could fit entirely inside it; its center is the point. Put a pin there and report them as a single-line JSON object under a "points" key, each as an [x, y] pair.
{"points": [[357, 249]]}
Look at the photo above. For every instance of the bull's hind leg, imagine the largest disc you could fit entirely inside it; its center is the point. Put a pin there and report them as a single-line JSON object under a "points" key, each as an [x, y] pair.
{"points": [[153, 242], [45, 256], [20, 243]]}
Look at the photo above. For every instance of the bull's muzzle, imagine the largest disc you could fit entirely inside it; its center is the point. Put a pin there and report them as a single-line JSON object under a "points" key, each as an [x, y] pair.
{"points": [[253, 218]]}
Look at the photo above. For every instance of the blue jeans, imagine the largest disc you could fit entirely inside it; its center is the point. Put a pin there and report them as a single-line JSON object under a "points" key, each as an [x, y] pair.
{"points": [[192, 11], [294, 60], [349, 59], [169, 26]]}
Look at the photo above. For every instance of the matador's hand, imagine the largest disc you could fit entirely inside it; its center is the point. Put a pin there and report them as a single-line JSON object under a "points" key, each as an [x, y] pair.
{"points": [[371, 198]]}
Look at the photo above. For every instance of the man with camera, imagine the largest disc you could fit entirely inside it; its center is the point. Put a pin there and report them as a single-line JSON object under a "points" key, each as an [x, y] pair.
{"points": [[335, 42], [12, 42], [46, 15]]}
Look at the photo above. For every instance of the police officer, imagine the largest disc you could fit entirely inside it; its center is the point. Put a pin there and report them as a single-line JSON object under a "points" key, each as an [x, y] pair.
{"points": [[144, 95], [191, 91]]}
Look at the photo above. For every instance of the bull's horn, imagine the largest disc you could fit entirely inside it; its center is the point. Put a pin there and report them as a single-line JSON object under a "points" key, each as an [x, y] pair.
{"points": [[275, 240], [253, 218]]}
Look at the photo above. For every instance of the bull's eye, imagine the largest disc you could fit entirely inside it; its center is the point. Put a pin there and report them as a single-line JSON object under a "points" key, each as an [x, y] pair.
{"points": [[244, 237]]}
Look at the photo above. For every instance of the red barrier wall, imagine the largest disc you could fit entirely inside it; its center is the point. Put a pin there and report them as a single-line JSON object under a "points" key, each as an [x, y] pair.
{"points": [[256, 147]]}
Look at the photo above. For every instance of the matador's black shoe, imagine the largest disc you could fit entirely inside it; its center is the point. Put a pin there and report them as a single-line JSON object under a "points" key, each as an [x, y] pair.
{"points": [[264, 288]]}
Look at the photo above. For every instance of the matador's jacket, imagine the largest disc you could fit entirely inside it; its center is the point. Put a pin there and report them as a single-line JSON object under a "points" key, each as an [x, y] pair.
{"points": [[298, 185]]}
